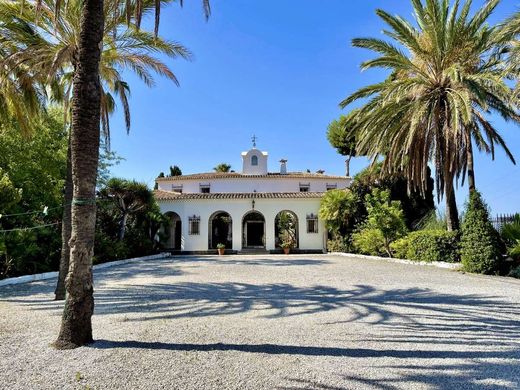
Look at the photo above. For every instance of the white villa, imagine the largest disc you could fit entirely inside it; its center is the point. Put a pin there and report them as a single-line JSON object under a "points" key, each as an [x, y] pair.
{"points": [[241, 210]]}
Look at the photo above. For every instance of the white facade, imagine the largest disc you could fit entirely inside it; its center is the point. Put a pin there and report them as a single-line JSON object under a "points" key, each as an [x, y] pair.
{"points": [[241, 209]]}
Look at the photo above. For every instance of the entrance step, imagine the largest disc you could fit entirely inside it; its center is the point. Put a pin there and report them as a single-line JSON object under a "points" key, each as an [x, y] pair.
{"points": [[253, 251]]}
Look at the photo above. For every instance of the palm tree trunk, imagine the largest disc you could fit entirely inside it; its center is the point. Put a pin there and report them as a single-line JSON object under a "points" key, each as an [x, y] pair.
{"points": [[347, 165], [471, 171], [76, 325], [59, 293], [452, 214], [122, 226]]}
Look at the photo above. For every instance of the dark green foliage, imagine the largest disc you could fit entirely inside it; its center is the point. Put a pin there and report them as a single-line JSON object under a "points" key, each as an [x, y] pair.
{"points": [[515, 272], [384, 224], [175, 171], [428, 245], [133, 202], [480, 247], [415, 206]]}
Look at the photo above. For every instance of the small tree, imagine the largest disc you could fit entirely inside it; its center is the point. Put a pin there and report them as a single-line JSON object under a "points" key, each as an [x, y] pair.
{"points": [[341, 137], [129, 197], [175, 171], [480, 249], [384, 224], [222, 167]]}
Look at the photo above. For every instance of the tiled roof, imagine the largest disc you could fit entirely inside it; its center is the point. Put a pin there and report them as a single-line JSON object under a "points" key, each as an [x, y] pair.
{"points": [[236, 175], [168, 195]]}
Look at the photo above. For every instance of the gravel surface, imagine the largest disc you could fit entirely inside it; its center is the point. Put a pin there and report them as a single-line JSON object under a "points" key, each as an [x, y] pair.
{"points": [[271, 322]]}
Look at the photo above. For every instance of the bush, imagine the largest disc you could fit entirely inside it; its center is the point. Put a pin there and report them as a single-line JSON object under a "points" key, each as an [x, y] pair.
{"points": [[339, 244], [480, 246], [428, 245], [515, 273], [369, 241], [384, 224]]}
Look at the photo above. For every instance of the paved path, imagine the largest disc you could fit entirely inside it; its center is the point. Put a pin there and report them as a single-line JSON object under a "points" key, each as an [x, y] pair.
{"points": [[273, 322]]}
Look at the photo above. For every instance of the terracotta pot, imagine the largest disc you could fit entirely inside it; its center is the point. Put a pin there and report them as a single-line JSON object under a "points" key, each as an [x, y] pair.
{"points": [[221, 251], [286, 250]]}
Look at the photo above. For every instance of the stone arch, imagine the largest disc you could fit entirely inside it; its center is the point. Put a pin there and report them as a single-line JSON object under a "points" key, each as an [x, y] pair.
{"points": [[174, 240], [253, 230], [220, 230], [286, 228]]}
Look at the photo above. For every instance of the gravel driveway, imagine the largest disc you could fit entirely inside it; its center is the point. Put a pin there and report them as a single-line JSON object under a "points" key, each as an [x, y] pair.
{"points": [[271, 322]]}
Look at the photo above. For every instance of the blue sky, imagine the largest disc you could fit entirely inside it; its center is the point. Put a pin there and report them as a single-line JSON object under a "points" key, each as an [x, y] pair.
{"points": [[277, 69]]}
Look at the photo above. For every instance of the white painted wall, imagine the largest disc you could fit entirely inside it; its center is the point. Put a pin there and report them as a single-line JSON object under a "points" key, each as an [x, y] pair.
{"points": [[252, 184], [237, 208]]}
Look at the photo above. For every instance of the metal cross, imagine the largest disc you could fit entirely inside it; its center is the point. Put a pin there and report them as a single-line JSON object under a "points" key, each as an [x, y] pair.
{"points": [[254, 138]]}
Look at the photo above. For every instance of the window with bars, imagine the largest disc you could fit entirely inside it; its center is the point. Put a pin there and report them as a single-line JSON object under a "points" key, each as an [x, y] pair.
{"points": [[312, 223], [332, 187], [205, 188], [177, 188], [194, 226]]}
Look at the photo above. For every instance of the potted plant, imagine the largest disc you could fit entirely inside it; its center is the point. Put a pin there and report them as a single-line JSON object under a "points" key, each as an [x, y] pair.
{"points": [[221, 248], [286, 246]]}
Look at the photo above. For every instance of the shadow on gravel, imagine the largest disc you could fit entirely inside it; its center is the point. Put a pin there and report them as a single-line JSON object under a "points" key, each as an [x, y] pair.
{"points": [[273, 261], [497, 369], [275, 349]]}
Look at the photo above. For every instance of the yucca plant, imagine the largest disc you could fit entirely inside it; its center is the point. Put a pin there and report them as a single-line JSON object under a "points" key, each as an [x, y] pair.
{"points": [[445, 78]]}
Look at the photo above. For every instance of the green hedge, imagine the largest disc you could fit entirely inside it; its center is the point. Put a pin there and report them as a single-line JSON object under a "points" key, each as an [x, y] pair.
{"points": [[428, 245]]}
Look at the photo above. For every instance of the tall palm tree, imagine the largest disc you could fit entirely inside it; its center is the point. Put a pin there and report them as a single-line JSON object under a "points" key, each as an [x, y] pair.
{"points": [[124, 48], [76, 326], [445, 78]]}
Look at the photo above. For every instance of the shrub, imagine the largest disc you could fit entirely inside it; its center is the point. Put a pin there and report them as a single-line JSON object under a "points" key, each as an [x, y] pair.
{"points": [[428, 245], [515, 272], [384, 224], [369, 241], [339, 244], [480, 247]]}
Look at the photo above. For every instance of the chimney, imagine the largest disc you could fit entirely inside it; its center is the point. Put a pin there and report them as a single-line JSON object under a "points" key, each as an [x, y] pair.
{"points": [[283, 167]]}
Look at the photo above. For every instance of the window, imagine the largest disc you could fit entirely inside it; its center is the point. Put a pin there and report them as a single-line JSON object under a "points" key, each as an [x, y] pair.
{"points": [[312, 223], [331, 187], [194, 226], [254, 160], [205, 188], [177, 189], [305, 187]]}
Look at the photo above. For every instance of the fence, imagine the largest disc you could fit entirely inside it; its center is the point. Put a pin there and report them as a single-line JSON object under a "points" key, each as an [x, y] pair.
{"points": [[501, 220]]}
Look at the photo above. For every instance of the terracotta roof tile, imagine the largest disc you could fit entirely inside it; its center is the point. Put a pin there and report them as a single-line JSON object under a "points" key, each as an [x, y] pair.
{"points": [[236, 175], [168, 195]]}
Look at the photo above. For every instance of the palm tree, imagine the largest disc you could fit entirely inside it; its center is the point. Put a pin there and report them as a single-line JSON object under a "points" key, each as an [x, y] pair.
{"points": [[86, 102], [76, 326], [445, 77], [124, 48], [222, 167], [129, 197]]}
